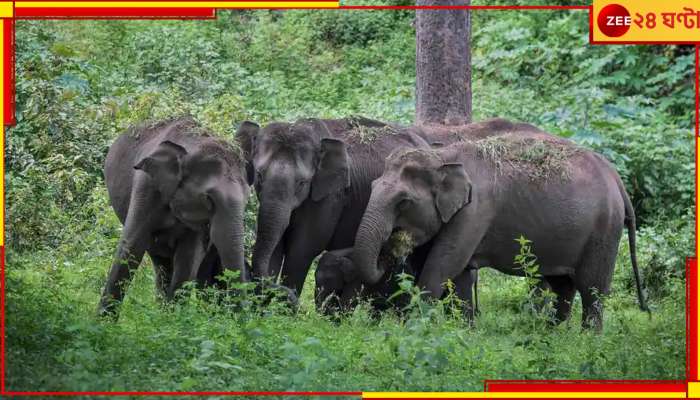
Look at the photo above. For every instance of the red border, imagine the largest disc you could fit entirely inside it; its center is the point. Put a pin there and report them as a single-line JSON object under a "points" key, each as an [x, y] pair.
{"points": [[697, 98], [2, 317], [585, 386], [115, 13], [9, 72], [489, 385], [463, 7], [10, 393], [691, 338]]}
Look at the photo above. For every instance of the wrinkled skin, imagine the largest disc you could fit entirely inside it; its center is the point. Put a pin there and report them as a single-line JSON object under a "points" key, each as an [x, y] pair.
{"points": [[312, 179], [180, 196], [452, 197], [441, 135], [339, 288]]}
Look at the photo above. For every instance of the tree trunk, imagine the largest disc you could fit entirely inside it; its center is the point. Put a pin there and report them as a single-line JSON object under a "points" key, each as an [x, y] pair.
{"points": [[443, 64]]}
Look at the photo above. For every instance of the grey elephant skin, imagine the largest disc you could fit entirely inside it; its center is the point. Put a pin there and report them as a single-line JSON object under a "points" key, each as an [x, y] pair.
{"points": [[180, 194], [472, 201], [313, 179], [339, 288]]}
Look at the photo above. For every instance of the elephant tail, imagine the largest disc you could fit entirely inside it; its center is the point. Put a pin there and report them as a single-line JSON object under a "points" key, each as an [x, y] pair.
{"points": [[631, 224]]}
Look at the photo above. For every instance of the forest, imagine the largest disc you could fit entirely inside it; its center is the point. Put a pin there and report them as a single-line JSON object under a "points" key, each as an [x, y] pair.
{"points": [[79, 84]]}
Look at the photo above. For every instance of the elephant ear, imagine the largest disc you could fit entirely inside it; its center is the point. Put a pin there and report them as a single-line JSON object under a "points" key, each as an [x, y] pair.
{"points": [[454, 190], [164, 166], [246, 134], [347, 267], [332, 174]]}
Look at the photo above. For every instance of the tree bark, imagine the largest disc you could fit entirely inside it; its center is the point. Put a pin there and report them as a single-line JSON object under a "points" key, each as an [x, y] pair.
{"points": [[443, 64]]}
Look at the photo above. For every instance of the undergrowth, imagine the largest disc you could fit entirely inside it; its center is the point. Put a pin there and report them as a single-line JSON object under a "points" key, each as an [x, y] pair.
{"points": [[81, 83]]}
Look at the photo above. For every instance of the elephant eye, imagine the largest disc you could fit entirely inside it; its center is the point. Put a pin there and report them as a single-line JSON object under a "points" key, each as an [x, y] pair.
{"points": [[404, 204], [301, 185]]}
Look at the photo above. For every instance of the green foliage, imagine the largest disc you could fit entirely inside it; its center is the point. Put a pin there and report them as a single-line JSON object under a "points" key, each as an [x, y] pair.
{"points": [[527, 261], [56, 343], [81, 83], [628, 102], [357, 27], [539, 303], [662, 248]]}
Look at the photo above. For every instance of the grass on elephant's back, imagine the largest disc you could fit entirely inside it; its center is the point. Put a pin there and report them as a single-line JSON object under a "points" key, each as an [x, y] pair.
{"points": [[538, 159], [54, 342]]}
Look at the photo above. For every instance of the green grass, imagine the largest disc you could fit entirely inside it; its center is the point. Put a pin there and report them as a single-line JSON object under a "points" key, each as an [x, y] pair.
{"points": [[55, 342], [629, 103]]}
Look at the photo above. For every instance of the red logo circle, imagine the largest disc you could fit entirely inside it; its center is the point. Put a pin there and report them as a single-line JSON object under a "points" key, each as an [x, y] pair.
{"points": [[614, 20]]}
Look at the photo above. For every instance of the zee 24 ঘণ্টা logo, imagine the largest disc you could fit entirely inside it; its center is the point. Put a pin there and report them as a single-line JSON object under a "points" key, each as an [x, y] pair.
{"points": [[646, 21]]}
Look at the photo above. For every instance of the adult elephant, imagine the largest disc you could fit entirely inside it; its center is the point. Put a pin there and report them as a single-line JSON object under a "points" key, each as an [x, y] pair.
{"points": [[180, 194], [473, 199], [313, 180]]}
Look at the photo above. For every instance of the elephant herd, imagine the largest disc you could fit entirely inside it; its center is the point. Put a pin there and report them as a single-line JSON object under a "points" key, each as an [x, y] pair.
{"points": [[379, 199]]}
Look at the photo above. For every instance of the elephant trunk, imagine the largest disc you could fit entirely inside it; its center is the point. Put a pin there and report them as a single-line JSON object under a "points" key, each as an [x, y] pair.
{"points": [[273, 220], [237, 241], [227, 231], [374, 231]]}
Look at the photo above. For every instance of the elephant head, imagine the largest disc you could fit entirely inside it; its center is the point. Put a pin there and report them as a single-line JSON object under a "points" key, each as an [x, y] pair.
{"points": [[288, 164], [417, 194], [330, 281], [203, 186]]}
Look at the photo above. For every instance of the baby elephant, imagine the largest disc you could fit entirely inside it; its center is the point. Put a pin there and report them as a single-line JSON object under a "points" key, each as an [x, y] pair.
{"points": [[180, 194], [338, 287]]}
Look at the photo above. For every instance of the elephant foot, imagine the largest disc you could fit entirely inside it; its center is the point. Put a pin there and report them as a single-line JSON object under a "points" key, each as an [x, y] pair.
{"points": [[592, 324], [267, 292], [108, 311]]}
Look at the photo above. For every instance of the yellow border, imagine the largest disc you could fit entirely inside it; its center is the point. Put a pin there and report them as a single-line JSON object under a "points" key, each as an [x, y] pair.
{"points": [[693, 389], [7, 11], [2, 124], [524, 395], [184, 4]]}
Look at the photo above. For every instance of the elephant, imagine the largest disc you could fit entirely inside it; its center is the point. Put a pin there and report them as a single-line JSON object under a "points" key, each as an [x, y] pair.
{"points": [[313, 179], [334, 293], [180, 195], [473, 199], [443, 135], [338, 287]]}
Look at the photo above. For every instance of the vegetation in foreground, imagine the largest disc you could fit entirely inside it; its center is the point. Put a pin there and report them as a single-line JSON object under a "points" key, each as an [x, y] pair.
{"points": [[629, 103]]}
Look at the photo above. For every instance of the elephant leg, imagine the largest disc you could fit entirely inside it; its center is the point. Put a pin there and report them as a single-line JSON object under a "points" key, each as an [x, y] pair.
{"points": [[163, 269], [352, 293], [136, 237], [310, 232], [189, 253], [593, 278], [209, 269], [537, 292], [464, 283], [564, 288], [452, 249], [477, 311], [297, 261]]}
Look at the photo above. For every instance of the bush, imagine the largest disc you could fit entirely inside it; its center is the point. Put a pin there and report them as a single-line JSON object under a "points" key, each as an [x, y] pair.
{"points": [[81, 83]]}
